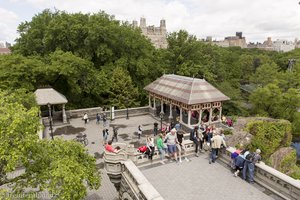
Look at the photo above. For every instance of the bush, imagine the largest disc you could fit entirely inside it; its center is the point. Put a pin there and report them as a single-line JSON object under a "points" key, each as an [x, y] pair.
{"points": [[269, 135]]}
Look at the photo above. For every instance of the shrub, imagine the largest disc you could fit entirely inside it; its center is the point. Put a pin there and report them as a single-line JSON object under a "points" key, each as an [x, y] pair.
{"points": [[269, 135]]}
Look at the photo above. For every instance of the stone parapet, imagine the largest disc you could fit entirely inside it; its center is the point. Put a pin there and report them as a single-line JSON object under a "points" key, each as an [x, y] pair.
{"points": [[270, 178]]}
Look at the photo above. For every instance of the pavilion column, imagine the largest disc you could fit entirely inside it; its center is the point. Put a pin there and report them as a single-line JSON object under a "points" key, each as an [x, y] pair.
{"points": [[220, 114], [154, 104], [189, 117], [171, 115], [200, 116], [64, 114], [161, 106], [210, 114], [150, 104], [180, 115]]}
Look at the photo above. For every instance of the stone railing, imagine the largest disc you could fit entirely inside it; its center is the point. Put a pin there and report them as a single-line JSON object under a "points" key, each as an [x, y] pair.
{"points": [[117, 113], [270, 178], [134, 185]]}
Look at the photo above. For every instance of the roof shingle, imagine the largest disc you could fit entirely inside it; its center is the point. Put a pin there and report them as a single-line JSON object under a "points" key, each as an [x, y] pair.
{"points": [[185, 89]]}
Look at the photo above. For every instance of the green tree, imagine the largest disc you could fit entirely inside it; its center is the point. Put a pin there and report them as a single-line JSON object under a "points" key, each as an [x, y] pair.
{"points": [[265, 74], [122, 89], [63, 168], [267, 101]]}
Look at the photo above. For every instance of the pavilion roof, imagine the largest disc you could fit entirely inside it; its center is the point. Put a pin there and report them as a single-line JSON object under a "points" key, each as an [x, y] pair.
{"points": [[49, 95], [185, 89]]}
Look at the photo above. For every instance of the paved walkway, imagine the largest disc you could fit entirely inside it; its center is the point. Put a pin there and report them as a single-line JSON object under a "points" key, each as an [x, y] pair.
{"points": [[200, 180], [127, 129], [191, 181]]}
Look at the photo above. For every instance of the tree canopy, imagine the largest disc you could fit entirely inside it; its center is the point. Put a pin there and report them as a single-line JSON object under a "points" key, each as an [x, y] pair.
{"points": [[63, 168], [80, 55]]}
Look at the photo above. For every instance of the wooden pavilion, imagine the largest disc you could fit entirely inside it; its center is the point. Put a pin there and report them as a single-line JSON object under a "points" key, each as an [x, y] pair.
{"points": [[50, 97], [194, 100]]}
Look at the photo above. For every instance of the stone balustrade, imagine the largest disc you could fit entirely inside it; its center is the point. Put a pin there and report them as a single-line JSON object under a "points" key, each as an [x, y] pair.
{"points": [[270, 178], [134, 185], [121, 113]]}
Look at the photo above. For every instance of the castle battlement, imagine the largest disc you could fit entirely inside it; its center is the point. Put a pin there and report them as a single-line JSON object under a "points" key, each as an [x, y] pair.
{"points": [[157, 35]]}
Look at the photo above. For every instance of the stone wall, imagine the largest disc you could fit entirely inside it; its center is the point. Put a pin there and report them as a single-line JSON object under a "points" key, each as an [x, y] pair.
{"points": [[268, 177], [121, 113]]}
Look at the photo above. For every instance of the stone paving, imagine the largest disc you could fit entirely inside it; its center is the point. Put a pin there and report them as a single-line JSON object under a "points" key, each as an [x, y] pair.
{"points": [[194, 180], [200, 180], [127, 133]]}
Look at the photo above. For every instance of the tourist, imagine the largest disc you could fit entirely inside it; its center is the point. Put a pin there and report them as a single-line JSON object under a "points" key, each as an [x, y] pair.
{"points": [[105, 135], [104, 119], [249, 166], [216, 142], [160, 148], [177, 126], [180, 146], [140, 131], [168, 128], [155, 129], [194, 136], [165, 146], [85, 118], [201, 130], [109, 148], [171, 140], [97, 118], [115, 134], [150, 147], [239, 160]]}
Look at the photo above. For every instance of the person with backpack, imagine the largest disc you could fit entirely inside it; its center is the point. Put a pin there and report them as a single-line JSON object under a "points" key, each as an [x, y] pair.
{"points": [[105, 135], [97, 118], [160, 148], [194, 136], [140, 130], [249, 166], [115, 134]]}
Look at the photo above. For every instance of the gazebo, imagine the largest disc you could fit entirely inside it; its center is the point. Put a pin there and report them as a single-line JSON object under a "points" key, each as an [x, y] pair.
{"points": [[50, 97], [194, 100]]}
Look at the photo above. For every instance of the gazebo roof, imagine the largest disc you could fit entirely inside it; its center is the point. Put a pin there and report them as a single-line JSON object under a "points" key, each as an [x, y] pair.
{"points": [[49, 95], [185, 89]]}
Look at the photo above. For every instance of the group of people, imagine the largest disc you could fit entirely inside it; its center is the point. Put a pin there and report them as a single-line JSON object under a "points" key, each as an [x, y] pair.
{"points": [[99, 117], [171, 141], [244, 161], [209, 137]]}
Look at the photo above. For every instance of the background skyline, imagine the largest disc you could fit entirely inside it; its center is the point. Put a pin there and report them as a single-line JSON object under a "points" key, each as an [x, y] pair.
{"points": [[257, 19]]}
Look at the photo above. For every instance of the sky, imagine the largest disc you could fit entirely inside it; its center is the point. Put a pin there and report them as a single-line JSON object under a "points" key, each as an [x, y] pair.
{"points": [[257, 19]]}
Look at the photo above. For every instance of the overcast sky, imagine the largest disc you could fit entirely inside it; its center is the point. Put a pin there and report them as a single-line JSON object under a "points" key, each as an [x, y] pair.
{"points": [[257, 19]]}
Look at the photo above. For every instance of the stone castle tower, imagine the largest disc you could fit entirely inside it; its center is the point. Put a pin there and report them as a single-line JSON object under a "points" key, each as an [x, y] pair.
{"points": [[157, 35]]}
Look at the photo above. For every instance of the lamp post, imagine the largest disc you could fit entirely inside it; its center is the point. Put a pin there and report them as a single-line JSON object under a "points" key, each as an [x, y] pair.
{"points": [[127, 114], [50, 120], [161, 115]]}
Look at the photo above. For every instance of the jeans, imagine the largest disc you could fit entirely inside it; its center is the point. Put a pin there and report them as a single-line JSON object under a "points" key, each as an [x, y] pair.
{"points": [[161, 154], [248, 171], [213, 154]]}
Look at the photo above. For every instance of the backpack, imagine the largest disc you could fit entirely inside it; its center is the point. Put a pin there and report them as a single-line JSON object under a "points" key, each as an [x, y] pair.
{"points": [[250, 157]]}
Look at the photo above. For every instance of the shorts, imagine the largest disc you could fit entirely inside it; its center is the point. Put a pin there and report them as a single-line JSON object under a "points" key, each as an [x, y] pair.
{"points": [[172, 148]]}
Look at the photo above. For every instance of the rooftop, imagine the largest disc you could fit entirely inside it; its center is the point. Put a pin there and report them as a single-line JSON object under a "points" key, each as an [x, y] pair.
{"points": [[49, 95], [186, 90]]}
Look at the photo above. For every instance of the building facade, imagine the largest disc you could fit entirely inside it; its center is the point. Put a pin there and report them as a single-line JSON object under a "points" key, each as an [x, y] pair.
{"points": [[157, 35]]}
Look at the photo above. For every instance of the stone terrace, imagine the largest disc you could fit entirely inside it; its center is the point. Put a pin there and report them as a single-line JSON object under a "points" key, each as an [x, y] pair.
{"points": [[193, 180]]}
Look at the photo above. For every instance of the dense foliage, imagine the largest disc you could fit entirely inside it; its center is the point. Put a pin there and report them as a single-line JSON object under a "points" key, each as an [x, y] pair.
{"points": [[269, 136], [63, 168], [87, 57]]}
